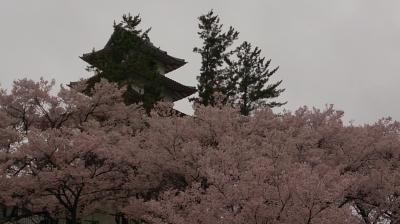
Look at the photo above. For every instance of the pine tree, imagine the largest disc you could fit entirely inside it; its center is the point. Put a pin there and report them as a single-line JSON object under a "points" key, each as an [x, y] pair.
{"points": [[213, 52], [247, 80], [244, 80]]}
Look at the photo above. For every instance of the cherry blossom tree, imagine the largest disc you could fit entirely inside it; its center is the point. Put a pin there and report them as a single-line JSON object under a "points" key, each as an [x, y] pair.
{"points": [[222, 167], [375, 166], [69, 154], [301, 167]]}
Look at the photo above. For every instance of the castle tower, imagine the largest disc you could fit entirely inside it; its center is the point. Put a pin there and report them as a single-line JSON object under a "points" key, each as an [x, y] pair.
{"points": [[131, 60]]}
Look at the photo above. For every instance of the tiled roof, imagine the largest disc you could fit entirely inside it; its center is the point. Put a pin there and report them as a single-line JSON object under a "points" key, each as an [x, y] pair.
{"points": [[179, 90], [170, 63]]}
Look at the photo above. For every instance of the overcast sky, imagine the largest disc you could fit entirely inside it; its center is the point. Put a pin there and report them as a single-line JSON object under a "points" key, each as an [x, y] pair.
{"points": [[341, 52]]}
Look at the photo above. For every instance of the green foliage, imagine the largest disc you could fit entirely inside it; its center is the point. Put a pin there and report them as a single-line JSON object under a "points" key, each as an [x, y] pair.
{"points": [[214, 50], [130, 24], [247, 80], [244, 80]]}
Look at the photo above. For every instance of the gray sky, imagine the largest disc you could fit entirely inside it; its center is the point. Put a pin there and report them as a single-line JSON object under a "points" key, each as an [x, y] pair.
{"points": [[341, 52]]}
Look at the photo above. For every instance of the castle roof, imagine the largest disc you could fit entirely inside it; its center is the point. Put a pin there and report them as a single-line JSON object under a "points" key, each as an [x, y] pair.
{"points": [[176, 90], [122, 50], [169, 62]]}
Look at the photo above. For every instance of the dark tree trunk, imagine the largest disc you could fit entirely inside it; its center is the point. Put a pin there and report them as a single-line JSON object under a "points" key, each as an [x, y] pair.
{"points": [[73, 217]]}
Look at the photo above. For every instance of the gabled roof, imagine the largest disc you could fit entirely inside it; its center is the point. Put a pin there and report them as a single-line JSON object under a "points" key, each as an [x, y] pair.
{"points": [[170, 63]]}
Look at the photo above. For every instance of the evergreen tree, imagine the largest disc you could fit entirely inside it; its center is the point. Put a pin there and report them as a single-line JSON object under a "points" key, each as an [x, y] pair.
{"points": [[213, 52], [246, 81]]}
